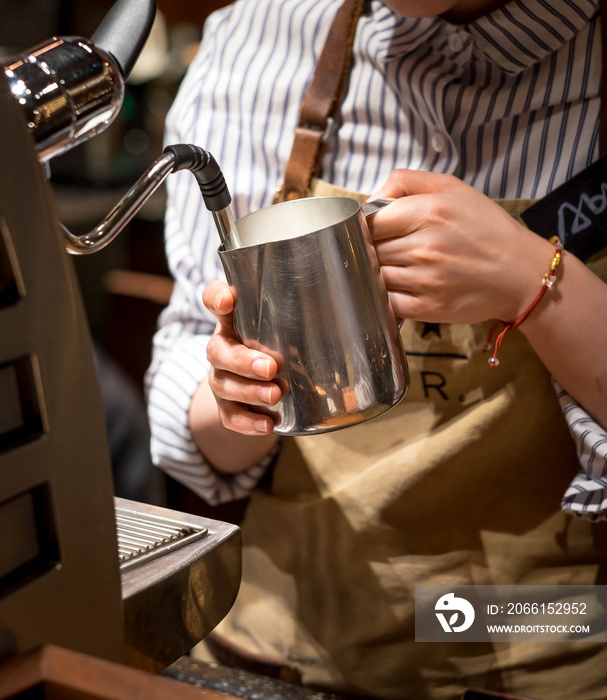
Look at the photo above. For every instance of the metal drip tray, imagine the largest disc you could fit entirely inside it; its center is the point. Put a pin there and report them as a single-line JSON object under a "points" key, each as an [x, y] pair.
{"points": [[179, 574], [143, 537]]}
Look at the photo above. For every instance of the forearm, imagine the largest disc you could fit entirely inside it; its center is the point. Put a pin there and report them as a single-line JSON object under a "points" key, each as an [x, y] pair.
{"points": [[568, 330], [229, 452]]}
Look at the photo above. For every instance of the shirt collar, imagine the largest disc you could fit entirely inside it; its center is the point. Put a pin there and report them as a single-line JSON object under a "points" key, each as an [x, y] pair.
{"points": [[524, 32], [513, 37]]}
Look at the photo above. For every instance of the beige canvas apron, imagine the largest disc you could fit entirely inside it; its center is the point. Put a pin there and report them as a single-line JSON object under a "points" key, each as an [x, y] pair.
{"points": [[459, 484]]}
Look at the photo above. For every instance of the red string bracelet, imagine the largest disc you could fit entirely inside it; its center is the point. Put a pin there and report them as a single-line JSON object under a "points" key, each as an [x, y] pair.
{"points": [[548, 282]]}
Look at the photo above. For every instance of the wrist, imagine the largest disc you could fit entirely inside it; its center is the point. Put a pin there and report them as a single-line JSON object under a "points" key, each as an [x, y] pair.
{"points": [[531, 264], [225, 450], [548, 281]]}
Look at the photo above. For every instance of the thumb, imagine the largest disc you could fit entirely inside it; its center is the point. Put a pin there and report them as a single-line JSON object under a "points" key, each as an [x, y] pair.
{"points": [[220, 300]]}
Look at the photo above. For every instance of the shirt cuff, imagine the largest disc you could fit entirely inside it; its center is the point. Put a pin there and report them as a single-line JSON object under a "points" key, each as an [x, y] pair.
{"points": [[586, 496]]}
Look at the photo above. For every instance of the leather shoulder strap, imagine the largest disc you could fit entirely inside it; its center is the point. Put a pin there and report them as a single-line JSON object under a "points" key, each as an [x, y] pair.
{"points": [[320, 103]]}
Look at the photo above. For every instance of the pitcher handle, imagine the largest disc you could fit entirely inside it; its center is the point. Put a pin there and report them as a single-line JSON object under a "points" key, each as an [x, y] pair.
{"points": [[373, 207], [368, 210]]}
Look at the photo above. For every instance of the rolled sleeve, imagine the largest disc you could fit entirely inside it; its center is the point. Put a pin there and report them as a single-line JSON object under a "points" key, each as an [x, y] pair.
{"points": [[586, 496]]}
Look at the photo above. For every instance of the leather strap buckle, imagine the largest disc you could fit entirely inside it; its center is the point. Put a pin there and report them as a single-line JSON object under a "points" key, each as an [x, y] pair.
{"points": [[328, 130]]}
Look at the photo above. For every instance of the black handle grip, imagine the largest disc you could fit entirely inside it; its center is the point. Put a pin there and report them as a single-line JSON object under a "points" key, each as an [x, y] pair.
{"points": [[124, 31], [206, 171]]}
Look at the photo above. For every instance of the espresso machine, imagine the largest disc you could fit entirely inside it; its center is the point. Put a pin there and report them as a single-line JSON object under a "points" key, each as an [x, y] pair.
{"points": [[118, 580]]}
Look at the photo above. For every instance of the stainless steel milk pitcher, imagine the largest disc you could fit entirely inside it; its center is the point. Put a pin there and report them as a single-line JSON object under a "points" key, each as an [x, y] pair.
{"points": [[311, 295]]}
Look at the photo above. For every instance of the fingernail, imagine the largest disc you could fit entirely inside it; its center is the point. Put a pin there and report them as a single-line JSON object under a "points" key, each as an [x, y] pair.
{"points": [[217, 298], [262, 425], [261, 367], [265, 394]]}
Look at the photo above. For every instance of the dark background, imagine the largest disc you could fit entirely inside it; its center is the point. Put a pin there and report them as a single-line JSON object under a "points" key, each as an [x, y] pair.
{"points": [[126, 285], [92, 177]]}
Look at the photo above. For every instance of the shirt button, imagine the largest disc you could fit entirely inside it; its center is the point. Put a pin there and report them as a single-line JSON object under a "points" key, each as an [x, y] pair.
{"points": [[438, 141], [456, 43]]}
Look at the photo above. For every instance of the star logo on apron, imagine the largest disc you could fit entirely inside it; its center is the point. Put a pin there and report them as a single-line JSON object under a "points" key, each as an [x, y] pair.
{"points": [[431, 328]]}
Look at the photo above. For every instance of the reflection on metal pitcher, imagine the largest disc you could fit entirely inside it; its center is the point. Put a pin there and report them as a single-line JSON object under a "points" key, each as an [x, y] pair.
{"points": [[310, 293]]}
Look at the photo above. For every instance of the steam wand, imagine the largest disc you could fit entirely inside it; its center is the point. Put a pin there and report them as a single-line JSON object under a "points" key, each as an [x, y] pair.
{"points": [[178, 157]]}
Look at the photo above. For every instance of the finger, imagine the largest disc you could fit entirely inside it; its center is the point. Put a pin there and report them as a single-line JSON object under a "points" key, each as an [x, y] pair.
{"points": [[409, 306], [228, 354], [413, 282], [403, 217], [403, 183], [233, 387], [239, 418], [402, 251]]}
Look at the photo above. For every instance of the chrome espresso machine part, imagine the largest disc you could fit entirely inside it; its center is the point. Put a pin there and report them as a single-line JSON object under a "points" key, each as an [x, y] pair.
{"points": [[71, 88], [78, 568]]}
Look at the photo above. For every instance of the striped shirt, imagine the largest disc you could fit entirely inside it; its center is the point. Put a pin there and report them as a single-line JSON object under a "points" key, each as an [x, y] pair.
{"points": [[508, 103]]}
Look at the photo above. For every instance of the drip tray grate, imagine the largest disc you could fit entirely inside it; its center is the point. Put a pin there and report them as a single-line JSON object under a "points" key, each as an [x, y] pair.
{"points": [[142, 536]]}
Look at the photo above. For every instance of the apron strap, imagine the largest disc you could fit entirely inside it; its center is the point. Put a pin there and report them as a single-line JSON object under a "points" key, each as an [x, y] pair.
{"points": [[322, 100]]}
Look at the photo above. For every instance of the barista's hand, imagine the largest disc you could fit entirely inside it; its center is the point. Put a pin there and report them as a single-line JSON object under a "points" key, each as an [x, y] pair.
{"points": [[449, 254], [238, 375]]}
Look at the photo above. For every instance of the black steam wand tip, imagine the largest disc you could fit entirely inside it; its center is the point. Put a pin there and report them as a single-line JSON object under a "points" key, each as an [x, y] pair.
{"points": [[212, 186]]}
